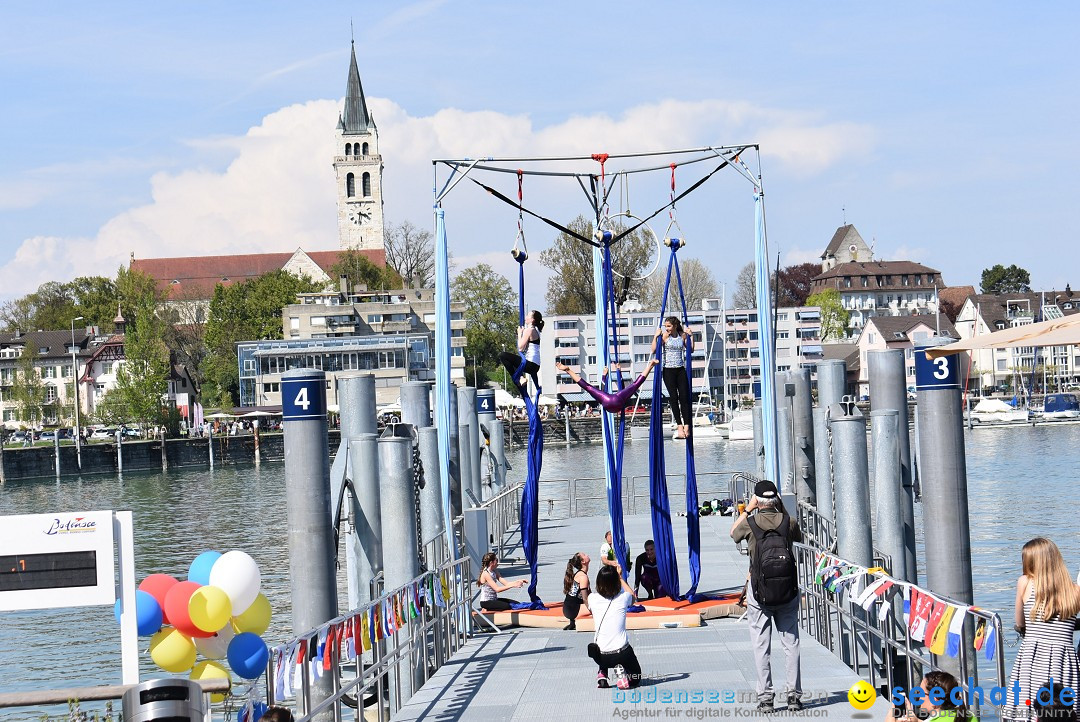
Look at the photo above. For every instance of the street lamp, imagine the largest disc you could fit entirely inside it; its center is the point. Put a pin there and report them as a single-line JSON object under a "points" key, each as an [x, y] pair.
{"points": [[75, 386]]}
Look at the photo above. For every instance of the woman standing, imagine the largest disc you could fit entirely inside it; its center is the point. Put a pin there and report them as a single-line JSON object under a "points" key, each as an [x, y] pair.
{"points": [[575, 587], [676, 341], [492, 584], [528, 343], [1047, 602]]}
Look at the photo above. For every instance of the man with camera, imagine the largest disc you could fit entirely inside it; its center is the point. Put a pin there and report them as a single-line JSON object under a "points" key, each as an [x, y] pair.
{"points": [[772, 596]]}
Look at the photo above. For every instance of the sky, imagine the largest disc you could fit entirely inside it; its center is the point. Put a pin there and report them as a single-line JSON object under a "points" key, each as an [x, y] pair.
{"points": [[945, 132]]}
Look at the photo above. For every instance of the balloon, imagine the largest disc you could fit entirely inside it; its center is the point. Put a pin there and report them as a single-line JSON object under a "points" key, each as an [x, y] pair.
{"points": [[176, 607], [237, 575], [199, 571], [147, 613], [258, 709], [256, 618], [216, 646], [157, 586], [210, 669], [209, 609], [248, 655], [172, 650]]}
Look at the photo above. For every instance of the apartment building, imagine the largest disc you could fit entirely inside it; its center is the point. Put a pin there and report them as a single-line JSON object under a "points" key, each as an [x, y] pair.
{"points": [[897, 332], [798, 345], [388, 333]]}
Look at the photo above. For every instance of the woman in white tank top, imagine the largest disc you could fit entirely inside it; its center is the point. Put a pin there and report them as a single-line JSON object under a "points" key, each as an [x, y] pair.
{"points": [[528, 344]]}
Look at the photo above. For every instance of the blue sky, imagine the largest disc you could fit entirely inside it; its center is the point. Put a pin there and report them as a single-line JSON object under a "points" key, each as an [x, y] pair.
{"points": [[946, 132]]}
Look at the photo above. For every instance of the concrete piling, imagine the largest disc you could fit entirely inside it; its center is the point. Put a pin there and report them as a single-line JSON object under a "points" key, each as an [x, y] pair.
{"points": [[851, 485], [888, 491]]}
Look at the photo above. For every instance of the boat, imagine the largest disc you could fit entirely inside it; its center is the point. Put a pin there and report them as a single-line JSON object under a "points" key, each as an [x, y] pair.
{"points": [[741, 426], [995, 411], [1061, 406]]}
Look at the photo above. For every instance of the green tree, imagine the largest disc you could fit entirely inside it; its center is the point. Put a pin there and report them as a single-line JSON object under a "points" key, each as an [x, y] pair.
{"points": [[570, 288], [95, 300], [29, 390], [248, 311], [358, 269], [834, 317], [999, 279], [53, 305], [697, 283], [491, 315]]}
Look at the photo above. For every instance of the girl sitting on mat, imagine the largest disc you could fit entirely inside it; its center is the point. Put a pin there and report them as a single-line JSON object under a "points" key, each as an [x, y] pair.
{"points": [[492, 584], [528, 343], [676, 340], [615, 402], [575, 587], [610, 647]]}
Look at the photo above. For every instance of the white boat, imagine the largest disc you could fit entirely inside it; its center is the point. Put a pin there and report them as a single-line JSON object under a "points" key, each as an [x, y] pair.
{"points": [[995, 411], [741, 426]]}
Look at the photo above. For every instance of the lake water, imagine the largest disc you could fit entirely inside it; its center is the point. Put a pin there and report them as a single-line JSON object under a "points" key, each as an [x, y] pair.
{"points": [[1019, 484]]}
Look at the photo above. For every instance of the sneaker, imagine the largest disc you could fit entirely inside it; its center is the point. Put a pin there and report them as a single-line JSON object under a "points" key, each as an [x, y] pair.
{"points": [[570, 627], [765, 707], [622, 681], [794, 704], [601, 680]]}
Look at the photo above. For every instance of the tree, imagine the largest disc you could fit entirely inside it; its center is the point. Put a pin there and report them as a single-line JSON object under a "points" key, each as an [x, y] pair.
{"points": [[834, 317], [793, 283], [697, 282], [745, 295], [248, 311], [29, 390], [95, 300], [411, 254], [53, 305], [491, 314], [358, 269], [570, 288], [998, 279]]}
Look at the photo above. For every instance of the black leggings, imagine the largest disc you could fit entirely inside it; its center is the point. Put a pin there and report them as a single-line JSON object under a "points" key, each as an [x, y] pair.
{"points": [[570, 607], [497, 605], [511, 361], [678, 389], [625, 657]]}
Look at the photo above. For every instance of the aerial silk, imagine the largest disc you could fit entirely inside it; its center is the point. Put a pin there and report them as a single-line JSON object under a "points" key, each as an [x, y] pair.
{"points": [[663, 537], [765, 342], [443, 385], [530, 495], [614, 441]]}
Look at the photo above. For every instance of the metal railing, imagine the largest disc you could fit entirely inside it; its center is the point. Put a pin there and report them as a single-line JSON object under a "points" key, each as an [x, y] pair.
{"points": [[820, 532], [375, 677], [91, 694], [504, 512], [882, 651], [587, 496]]}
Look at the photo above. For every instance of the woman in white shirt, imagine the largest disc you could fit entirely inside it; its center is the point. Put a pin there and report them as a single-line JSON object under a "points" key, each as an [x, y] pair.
{"points": [[611, 647], [528, 343]]}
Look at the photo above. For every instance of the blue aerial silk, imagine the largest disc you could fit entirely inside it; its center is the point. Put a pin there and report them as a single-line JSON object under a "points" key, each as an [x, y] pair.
{"points": [[765, 341], [663, 537], [530, 495], [443, 384], [614, 440]]}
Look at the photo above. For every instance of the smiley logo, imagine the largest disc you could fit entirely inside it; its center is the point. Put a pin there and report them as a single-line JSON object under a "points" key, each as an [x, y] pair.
{"points": [[861, 695]]}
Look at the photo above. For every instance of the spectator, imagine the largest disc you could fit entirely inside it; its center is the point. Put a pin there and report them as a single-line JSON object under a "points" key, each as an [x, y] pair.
{"points": [[276, 714], [611, 647], [492, 584], [647, 574], [607, 552], [1050, 704], [575, 587], [772, 598], [936, 685]]}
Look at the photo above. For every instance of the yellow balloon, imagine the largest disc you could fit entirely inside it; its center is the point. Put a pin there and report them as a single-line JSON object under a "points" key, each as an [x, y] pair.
{"points": [[172, 650], [210, 669], [255, 619], [209, 608]]}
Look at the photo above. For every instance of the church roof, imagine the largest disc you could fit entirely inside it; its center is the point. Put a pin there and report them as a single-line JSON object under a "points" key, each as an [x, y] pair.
{"points": [[355, 118], [194, 277], [845, 237]]}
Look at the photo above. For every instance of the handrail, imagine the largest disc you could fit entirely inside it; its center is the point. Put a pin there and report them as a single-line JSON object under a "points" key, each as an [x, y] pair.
{"points": [[416, 649], [882, 651], [504, 510], [89, 694]]}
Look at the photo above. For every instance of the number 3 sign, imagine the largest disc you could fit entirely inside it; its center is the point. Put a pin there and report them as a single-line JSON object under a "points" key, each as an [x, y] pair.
{"points": [[938, 373], [303, 398]]}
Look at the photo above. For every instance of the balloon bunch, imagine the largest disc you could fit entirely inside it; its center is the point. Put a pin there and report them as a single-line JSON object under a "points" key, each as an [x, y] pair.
{"points": [[217, 613]]}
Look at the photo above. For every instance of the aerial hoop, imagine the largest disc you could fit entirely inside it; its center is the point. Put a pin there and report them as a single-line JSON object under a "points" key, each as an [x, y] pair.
{"points": [[604, 235]]}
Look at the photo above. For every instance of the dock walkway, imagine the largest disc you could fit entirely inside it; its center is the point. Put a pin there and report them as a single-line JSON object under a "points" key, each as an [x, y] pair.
{"points": [[545, 674]]}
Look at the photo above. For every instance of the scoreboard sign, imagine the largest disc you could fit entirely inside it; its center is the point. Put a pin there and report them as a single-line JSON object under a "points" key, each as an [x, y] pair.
{"points": [[50, 561]]}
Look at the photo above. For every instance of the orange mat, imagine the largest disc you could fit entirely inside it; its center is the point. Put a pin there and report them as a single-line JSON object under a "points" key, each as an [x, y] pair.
{"points": [[662, 613]]}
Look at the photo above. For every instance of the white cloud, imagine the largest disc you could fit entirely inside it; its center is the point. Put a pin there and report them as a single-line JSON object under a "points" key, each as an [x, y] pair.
{"points": [[796, 256], [274, 190]]}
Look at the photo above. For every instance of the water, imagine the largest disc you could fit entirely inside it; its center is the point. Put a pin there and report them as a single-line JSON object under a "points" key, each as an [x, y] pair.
{"points": [[1018, 485]]}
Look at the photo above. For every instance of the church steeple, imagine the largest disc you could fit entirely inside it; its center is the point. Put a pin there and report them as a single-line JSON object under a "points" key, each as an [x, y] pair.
{"points": [[356, 118]]}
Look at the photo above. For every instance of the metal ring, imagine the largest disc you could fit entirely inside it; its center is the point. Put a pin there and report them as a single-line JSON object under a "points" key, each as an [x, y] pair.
{"points": [[604, 222]]}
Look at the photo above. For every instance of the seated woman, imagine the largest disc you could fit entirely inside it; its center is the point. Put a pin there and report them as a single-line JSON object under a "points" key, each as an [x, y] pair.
{"points": [[492, 584], [616, 402]]}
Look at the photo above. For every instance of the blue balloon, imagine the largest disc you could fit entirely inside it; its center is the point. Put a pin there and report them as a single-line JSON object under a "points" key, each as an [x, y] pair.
{"points": [[147, 613], [199, 571], [258, 709], [248, 655]]}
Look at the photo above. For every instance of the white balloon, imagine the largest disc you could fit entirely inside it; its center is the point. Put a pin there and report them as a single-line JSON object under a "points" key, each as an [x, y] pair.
{"points": [[237, 574], [216, 647]]}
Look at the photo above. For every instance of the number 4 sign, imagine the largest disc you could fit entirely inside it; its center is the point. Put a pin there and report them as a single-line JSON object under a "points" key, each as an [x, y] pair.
{"points": [[938, 373], [303, 398]]}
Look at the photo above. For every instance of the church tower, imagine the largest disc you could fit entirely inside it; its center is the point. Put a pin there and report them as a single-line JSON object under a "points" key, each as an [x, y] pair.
{"points": [[358, 166]]}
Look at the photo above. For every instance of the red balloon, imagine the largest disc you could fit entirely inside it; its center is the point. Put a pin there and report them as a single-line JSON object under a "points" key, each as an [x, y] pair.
{"points": [[176, 606], [158, 586]]}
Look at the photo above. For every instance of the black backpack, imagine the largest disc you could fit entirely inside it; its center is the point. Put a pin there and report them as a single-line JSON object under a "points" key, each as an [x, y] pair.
{"points": [[772, 570]]}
